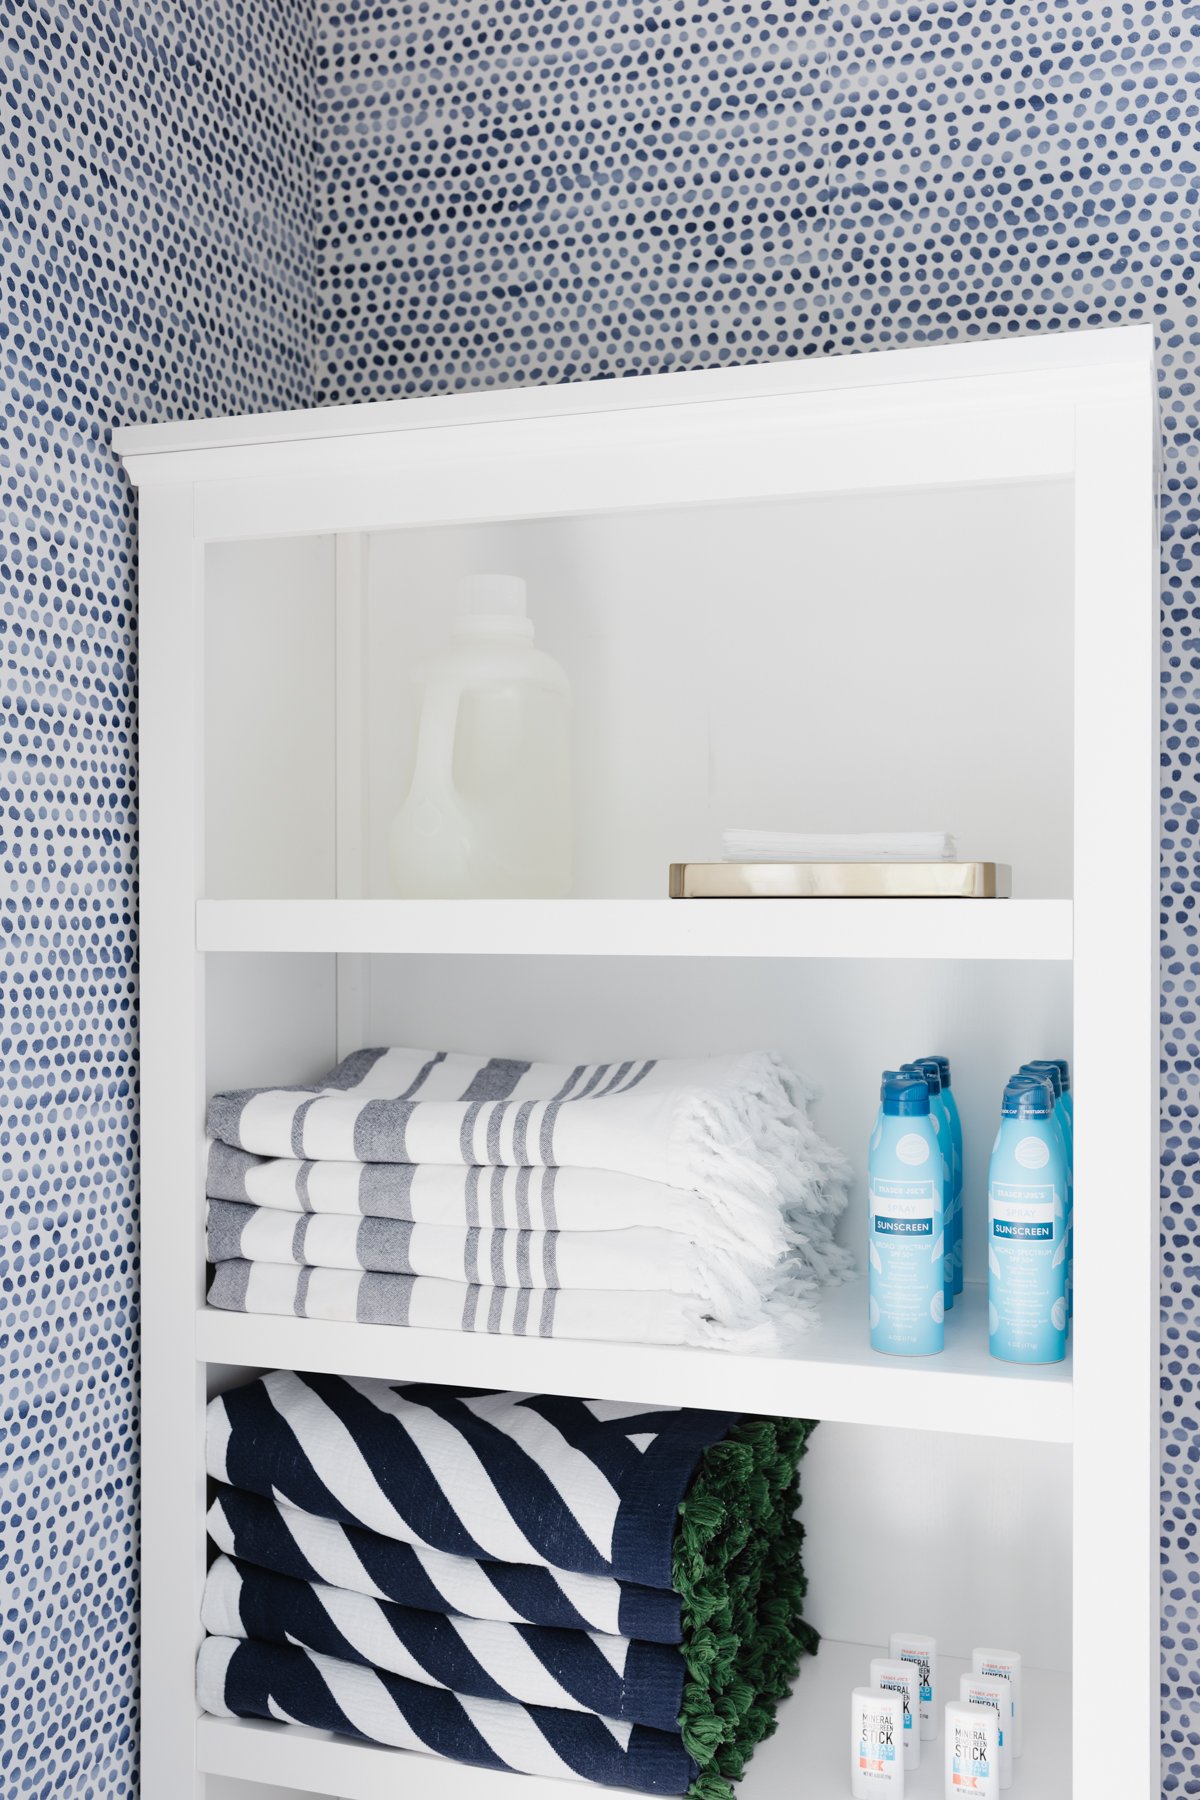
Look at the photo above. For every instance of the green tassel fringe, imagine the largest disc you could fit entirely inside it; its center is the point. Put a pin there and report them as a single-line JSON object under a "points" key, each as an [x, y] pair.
{"points": [[738, 1571]]}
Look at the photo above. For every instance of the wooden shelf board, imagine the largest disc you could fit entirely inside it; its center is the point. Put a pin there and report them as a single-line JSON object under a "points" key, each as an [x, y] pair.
{"points": [[835, 1374], [808, 1754], [1014, 930]]}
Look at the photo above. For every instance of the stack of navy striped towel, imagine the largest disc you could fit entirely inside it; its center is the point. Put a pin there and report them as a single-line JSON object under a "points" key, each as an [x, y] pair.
{"points": [[558, 1587], [678, 1202]]}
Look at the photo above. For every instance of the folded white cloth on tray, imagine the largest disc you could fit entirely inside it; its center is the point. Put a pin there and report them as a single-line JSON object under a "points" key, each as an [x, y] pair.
{"points": [[623, 1316], [525, 1199], [731, 1132], [642, 1259], [825, 846]]}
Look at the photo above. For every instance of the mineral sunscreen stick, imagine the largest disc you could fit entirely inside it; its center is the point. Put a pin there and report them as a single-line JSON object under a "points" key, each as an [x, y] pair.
{"points": [[877, 1744], [972, 1753], [910, 1647], [993, 1692], [1008, 1664], [902, 1678]]}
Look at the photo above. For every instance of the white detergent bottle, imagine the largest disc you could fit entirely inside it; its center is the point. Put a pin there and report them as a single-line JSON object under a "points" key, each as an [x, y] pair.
{"points": [[488, 811]]}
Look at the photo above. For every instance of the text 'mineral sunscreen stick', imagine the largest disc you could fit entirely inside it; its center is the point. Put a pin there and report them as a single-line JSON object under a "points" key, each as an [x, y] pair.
{"points": [[911, 1647], [972, 1753], [1008, 1664], [904, 1679], [877, 1744], [994, 1692]]}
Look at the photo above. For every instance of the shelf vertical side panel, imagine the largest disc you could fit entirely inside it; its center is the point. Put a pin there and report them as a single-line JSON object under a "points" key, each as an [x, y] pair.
{"points": [[1116, 1038], [351, 821], [171, 660]]}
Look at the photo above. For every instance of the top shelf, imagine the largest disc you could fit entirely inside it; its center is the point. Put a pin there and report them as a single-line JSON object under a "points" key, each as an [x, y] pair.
{"points": [[991, 930]]}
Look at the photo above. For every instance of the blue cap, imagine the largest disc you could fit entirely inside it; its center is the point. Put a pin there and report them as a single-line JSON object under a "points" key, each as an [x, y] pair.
{"points": [[1045, 1070], [943, 1063], [904, 1095], [1064, 1069], [1027, 1097], [929, 1068]]}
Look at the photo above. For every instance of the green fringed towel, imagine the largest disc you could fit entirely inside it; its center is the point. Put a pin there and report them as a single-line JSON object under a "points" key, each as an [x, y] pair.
{"points": [[739, 1574], [432, 1569]]}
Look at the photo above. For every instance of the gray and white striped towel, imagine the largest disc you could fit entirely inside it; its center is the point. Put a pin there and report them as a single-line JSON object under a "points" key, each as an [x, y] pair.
{"points": [[511, 1199], [733, 1130], [422, 1301], [634, 1258]]}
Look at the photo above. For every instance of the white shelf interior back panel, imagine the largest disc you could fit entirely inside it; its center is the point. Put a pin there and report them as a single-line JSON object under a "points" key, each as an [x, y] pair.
{"points": [[851, 663]]}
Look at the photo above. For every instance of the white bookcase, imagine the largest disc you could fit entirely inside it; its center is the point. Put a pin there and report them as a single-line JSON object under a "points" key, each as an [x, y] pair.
{"points": [[896, 591]]}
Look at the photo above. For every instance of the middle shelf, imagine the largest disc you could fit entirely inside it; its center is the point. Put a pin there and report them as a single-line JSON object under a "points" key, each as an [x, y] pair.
{"points": [[833, 1375], [988, 930]]}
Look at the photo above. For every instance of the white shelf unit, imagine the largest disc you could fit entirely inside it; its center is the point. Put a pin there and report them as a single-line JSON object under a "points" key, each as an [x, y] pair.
{"points": [[283, 560]]}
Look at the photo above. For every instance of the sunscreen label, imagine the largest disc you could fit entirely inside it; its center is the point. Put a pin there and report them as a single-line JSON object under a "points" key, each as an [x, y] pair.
{"points": [[906, 1255], [876, 1748], [924, 1672], [876, 1744], [1022, 1212], [1026, 1271], [970, 1765]]}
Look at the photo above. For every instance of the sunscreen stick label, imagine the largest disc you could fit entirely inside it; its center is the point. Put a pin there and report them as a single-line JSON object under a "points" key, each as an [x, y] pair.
{"points": [[924, 1672], [970, 1766], [877, 1749]]}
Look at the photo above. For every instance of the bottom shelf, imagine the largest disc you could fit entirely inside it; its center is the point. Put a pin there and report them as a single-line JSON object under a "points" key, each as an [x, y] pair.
{"points": [[808, 1754]]}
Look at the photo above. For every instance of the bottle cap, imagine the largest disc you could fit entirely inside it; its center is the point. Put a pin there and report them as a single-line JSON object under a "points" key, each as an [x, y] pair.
{"points": [[928, 1068], [1045, 1070], [943, 1063], [1064, 1069], [904, 1095], [494, 605], [1027, 1097]]}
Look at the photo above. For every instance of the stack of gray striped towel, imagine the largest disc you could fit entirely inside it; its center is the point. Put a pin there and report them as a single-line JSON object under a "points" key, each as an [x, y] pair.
{"points": [[672, 1202]]}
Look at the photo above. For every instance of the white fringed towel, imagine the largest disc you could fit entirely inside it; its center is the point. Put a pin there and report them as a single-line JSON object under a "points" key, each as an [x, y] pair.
{"points": [[420, 1301], [734, 1130], [506, 1199], [635, 1258]]}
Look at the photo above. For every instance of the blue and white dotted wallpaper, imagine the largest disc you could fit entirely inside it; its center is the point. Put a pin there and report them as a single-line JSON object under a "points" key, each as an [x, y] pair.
{"points": [[216, 206], [551, 191], [156, 259]]}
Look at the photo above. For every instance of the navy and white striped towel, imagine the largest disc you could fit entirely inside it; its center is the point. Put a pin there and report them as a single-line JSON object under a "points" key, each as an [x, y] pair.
{"points": [[480, 1658], [590, 1486], [240, 1678], [309, 1548], [734, 1130]]}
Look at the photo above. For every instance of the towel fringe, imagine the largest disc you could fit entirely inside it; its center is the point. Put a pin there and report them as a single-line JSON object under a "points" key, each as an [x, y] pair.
{"points": [[751, 1151]]}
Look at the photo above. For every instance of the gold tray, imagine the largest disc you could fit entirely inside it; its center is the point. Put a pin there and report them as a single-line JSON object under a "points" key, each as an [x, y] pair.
{"points": [[840, 881]]}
